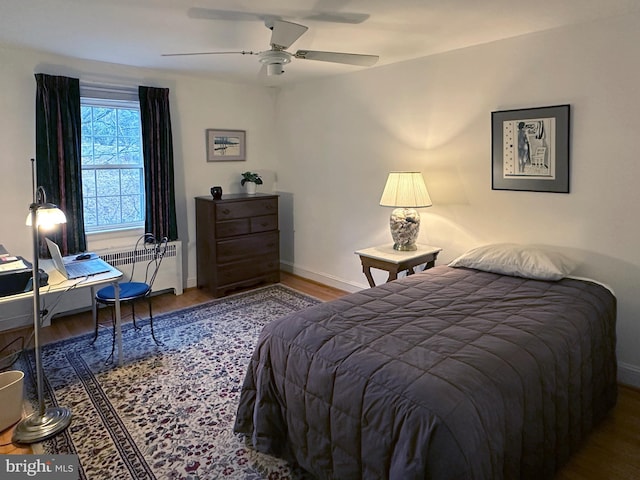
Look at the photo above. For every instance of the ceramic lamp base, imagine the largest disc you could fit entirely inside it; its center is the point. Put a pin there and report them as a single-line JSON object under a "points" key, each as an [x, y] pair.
{"points": [[405, 225]]}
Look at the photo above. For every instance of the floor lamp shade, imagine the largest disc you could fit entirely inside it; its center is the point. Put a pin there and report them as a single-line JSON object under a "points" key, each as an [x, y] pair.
{"points": [[45, 422], [405, 191], [47, 216]]}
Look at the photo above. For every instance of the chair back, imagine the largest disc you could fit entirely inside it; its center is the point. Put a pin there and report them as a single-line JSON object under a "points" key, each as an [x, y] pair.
{"points": [[151, 251]]}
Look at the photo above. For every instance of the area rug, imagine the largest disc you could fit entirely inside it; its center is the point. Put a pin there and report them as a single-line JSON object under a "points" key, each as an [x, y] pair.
{"points": [[168, 412]]}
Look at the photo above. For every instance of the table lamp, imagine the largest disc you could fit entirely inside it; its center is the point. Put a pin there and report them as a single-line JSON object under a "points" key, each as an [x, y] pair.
{"points": [[405, 191], [45, 422]]}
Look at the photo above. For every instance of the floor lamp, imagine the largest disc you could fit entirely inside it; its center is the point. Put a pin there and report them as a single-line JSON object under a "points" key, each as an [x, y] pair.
{"points": [[46, 422]]}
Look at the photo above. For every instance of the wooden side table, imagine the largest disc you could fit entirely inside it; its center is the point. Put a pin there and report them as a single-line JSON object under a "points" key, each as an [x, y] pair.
{"points": [[384, 257]]}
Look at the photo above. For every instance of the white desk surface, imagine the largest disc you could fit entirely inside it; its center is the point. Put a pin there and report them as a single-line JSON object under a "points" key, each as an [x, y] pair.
{"points": [[57, 283]]}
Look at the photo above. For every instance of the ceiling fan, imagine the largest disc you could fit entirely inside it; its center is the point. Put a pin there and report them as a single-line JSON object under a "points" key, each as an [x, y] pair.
{"points": [[283, 35]]}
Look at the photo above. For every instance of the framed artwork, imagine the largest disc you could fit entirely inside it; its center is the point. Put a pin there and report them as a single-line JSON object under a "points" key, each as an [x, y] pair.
{"points": [[530, 149], [226, 145]]}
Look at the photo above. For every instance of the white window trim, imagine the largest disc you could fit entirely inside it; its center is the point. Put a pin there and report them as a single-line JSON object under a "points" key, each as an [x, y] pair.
{"points": [[109, 92], [98, 95]]}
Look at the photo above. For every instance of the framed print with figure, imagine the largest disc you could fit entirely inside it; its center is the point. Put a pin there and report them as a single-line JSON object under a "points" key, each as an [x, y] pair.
{"points": [[530, 149], [226, 145]]}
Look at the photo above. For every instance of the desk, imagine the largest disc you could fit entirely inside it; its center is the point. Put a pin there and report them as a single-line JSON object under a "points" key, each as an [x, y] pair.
{"points": [[384, 257], [58, 285]]}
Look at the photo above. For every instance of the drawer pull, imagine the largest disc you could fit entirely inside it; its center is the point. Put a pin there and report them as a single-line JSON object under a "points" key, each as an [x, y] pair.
{"points": [[264, 224], [226, 211]]}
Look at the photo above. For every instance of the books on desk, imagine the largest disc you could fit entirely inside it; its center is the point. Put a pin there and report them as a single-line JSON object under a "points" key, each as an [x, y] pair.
{"points": [[11, 263], [12, 266]]}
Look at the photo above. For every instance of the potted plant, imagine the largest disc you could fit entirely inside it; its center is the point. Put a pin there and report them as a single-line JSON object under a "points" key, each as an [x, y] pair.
{"points": [[249, 181]]}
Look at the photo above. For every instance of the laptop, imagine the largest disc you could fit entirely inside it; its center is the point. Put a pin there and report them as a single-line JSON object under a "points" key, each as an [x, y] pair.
{"points": [[76, 269]]}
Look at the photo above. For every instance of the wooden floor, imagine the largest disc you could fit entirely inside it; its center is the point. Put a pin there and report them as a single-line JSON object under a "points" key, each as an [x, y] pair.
{"points": [[611, 452]]}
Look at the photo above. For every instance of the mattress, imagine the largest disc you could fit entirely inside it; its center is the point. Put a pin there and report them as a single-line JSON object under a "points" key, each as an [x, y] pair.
{"points": [[452, 373]]}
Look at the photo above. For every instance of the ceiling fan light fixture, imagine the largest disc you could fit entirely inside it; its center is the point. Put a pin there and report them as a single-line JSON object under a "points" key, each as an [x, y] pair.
{"points": [[275, 61], [275, 69]]}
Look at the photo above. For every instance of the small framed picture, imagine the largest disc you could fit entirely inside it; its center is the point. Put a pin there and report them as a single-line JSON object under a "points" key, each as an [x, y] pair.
{"points": [[530, 149], [226, 145]]}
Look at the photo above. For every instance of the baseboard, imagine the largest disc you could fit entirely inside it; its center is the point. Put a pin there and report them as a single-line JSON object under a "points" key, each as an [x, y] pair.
{"points": [[629, 374], [322, 278], [19, 313]]}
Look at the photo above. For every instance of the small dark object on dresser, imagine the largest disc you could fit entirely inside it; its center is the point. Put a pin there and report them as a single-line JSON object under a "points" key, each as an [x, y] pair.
{"points": [[216, 193]]}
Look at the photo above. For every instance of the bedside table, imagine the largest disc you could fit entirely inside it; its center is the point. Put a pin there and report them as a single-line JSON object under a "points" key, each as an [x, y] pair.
{"points": [[384, 257]]}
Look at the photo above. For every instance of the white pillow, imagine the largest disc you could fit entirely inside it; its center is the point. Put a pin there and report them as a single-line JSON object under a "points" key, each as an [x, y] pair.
{"points": [[516, 260]]}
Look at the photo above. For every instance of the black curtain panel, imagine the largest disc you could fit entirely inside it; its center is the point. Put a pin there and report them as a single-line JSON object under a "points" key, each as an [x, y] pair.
{"points": [[157, 142], [58, 155]]}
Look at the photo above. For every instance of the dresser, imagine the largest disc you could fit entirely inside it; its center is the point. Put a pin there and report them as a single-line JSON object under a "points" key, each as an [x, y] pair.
{"points": [[237, 241]]}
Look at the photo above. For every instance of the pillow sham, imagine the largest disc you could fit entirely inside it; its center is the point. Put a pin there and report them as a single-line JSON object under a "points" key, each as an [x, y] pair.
{"points": [[516, 260]]}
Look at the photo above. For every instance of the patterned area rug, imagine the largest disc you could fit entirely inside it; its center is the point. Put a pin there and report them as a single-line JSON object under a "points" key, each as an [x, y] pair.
{"points": [[168, 412]]}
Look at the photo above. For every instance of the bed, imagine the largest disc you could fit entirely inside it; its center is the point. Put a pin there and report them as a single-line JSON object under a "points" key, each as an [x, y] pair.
{"points": [[452, 373]]}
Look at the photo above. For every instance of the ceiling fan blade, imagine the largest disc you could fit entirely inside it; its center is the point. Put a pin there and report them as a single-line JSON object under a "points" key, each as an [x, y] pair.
{"points": [[318, 16], [334, 11], [242, 52], [347, 58], [343, 17], [214, 14], [285, 33]]}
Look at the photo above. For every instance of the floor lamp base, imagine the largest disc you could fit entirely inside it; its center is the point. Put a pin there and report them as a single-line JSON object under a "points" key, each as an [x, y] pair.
{"points": [[37, 427]]}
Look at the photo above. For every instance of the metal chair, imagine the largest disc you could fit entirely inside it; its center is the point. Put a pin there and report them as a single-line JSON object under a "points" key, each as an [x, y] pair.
{"points": [[148, 250]]}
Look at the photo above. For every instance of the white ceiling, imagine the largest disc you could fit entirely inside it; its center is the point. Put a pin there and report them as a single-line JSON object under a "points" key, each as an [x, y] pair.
{"points": [[137, 32]]}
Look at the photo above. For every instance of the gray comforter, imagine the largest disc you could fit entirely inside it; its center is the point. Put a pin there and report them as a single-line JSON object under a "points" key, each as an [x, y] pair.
{"points": [[447, 374]]}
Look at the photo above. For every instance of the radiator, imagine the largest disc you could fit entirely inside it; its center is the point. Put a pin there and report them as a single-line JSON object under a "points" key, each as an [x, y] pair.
{"points": [[169, 276]]}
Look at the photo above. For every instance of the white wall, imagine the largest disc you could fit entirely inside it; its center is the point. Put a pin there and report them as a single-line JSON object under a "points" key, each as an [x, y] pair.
{"points": [[342, 136], [197, 104]]}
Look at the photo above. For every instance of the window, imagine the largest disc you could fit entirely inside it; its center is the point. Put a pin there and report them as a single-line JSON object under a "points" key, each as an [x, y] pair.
{"points": [[112, 163]]}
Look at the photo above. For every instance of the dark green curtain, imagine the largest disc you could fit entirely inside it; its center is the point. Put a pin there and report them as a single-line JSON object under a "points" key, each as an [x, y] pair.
{"points": [[58, 155], [157, 144]]}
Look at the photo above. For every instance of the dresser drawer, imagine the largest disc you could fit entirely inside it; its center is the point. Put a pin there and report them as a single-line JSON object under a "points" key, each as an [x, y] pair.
{"points": [[253, 267], [230, 228], [249, 208], [264, 223], [239, 248], [243, 226]]}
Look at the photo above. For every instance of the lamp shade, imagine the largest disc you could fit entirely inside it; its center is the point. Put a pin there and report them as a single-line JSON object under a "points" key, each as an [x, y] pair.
{"points": [[405, 190], [47, 215]]}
